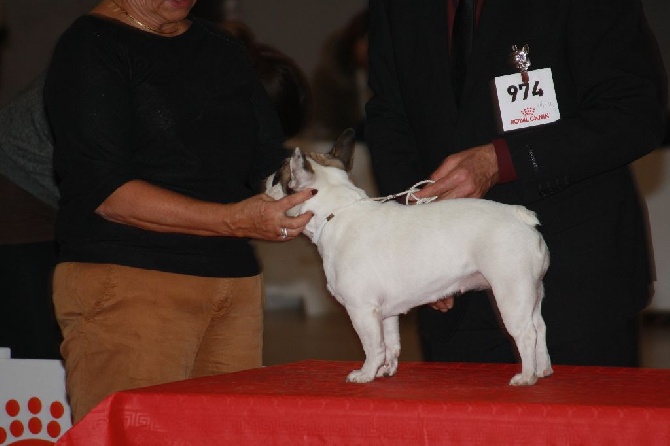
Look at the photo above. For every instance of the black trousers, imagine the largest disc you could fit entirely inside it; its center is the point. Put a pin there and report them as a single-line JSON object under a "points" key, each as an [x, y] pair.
{"points": [[27, 322], [471, 332]]}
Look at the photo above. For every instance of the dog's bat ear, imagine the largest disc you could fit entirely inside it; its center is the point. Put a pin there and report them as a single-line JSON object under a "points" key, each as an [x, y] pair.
{"points": [[343, 149], [301, 171]]}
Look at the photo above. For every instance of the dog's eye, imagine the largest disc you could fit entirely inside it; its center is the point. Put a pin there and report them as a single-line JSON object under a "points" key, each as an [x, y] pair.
{"points": [[275, 179]]}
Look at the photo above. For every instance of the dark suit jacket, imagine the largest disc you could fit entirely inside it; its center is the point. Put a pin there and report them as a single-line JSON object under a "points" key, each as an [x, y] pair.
{"points": [[610, 87]]}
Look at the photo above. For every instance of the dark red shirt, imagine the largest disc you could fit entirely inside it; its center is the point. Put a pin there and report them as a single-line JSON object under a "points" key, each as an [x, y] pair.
{"points": [[506, 171]]}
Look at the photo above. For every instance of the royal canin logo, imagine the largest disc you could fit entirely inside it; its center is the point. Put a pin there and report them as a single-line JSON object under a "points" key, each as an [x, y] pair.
{"points": [[528, 111], [528, 115]]}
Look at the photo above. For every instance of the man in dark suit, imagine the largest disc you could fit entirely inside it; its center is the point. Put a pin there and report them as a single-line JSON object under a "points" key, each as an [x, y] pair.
{"points": [[601, 83]]}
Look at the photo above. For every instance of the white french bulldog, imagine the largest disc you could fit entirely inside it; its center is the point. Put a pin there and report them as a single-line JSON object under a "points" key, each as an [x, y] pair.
{"points": [[383, 258]]}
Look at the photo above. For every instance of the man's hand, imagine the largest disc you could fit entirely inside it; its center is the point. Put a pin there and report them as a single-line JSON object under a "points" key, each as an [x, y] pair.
{"points": [[445, 304], [470, 174]]}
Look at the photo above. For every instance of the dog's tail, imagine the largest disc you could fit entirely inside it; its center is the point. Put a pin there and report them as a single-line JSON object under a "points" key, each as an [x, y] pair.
{"points": [[527, 216]]}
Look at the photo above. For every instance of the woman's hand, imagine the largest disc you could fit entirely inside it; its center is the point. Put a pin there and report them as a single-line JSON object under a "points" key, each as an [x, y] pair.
{"points": [[263, 218]]}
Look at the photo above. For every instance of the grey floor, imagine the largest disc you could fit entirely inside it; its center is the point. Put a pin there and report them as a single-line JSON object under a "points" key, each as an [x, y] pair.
{"points": [[291, 335]]}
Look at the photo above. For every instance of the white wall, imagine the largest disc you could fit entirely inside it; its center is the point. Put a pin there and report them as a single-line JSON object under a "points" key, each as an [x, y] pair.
{"points": [[653, 171], [653, 174]]}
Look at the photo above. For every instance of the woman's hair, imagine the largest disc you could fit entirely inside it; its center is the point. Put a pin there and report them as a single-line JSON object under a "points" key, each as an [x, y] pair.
{"points": [[355, 30], [286, 84], [284, 81], [336, 80]]}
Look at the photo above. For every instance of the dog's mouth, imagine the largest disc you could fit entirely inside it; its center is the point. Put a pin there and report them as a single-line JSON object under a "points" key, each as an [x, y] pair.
{"points": [[276, 177], [277, 185], [283, 178]]}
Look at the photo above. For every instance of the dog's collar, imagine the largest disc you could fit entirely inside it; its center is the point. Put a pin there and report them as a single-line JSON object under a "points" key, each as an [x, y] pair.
{"points": [[319, 230], [409, 194]]}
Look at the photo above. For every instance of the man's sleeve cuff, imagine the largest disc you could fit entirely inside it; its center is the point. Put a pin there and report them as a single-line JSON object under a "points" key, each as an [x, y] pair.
{"points": [[506, 170]]}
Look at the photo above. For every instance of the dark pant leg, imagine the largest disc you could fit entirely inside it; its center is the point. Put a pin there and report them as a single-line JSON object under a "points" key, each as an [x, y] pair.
{"points": [[27, 321], [471, 332], [616, 345]]}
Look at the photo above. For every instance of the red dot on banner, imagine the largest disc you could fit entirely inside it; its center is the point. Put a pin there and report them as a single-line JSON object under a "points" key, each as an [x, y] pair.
{"points": [[3, 435], [35, 425], [34, 405], [16, 428], [53, 429], [12, 407], [57, 410]]}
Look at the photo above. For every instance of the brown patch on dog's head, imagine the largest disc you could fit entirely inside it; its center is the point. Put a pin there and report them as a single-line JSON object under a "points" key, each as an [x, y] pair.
{"points": [[343, 149], [296, 170], [283, 175], [327, 160], [341, 155]]}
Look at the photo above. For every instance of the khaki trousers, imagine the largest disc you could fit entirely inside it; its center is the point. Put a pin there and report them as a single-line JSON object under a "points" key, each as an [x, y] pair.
{"points": [[125, 328]]}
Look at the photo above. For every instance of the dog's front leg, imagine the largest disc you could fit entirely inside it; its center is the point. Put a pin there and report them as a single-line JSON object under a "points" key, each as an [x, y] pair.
{"points": [[367, 322], [392, 343]]}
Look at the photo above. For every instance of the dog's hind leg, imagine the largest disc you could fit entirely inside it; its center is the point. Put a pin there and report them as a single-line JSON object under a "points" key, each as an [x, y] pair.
{"points": [[543, 362], [516, 304], [525, 340], [367, 322], [392, 343]]}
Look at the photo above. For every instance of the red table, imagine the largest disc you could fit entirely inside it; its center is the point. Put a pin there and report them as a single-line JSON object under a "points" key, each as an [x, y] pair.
{"points": [[309, 402]]}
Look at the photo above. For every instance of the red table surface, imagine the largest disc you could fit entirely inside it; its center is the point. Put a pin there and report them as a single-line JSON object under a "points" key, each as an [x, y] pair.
{"points": [[309, 402]]}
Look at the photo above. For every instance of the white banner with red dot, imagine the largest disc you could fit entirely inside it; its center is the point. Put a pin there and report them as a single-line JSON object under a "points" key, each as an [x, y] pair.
{"points": [[33, 405]]}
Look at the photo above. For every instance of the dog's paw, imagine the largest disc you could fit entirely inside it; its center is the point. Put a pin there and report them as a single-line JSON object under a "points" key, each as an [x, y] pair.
{"points": [[548, 371], [388, 369], [520, 380], [358, 376], [543, 366]]}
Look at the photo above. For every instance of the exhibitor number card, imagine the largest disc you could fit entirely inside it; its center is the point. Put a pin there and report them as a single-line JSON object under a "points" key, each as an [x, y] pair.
{"points": [[527, 100]]}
